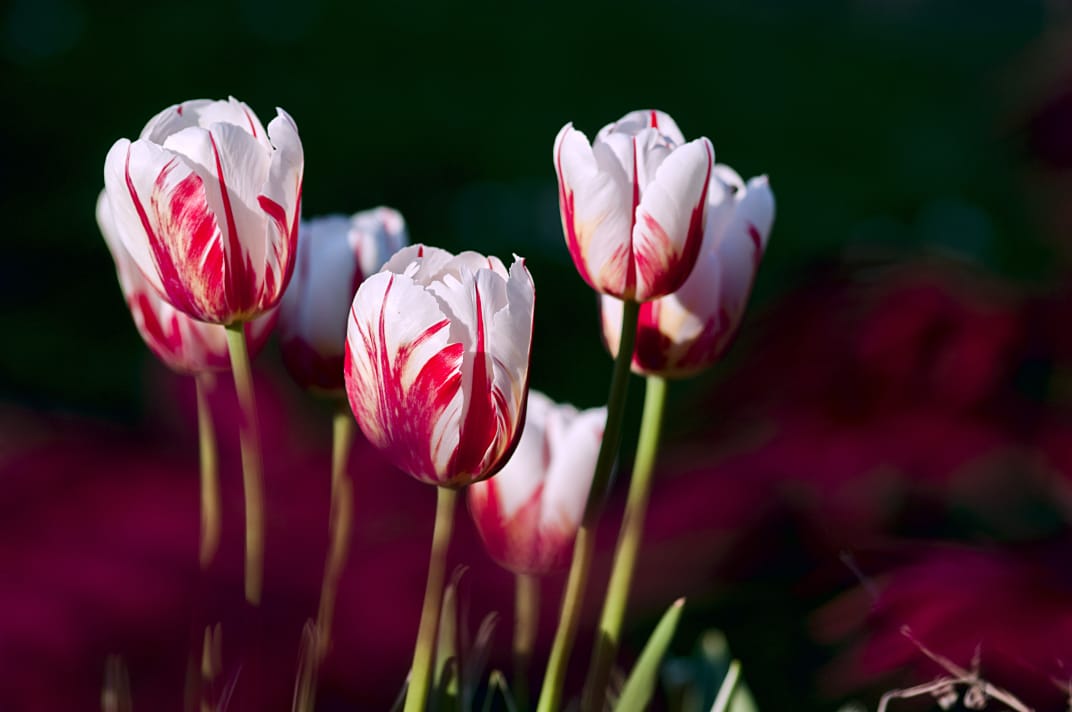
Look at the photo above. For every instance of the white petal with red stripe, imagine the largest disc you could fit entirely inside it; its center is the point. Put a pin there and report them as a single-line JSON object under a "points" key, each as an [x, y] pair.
{"points": [[437, 361]]}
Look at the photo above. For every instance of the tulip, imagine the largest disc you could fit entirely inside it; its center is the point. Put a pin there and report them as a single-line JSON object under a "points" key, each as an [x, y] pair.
{"points": [[207, 203], [632, 203], [335, 254], [437, 362], [184, 345], [528, 514], [689, 330]]}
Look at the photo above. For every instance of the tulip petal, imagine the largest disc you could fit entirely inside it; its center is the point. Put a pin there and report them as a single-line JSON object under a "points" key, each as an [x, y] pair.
{"points": [[742, 245], [404, 375], [493, 387], [596, 197], [572, 150], [375, 236], [184, 344], [164, 220], [511, 338], [324, 277], [574, 438], [636, 121], [670, 220], [281, 202], [173, 119], [234, 167]]}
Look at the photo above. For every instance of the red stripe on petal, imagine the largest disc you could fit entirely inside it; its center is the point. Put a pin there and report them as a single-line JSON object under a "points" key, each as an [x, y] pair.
{"points": [[252, 127], [480, 427], [185, 221], [654, 119], [238, 277], [406, 418], [165, 343], [275, 211], [652, 351], [288, 259], [666, 272], [757, 243]]}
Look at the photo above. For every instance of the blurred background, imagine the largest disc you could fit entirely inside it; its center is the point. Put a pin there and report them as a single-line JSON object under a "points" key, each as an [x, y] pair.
{"points": [[888, 443]]}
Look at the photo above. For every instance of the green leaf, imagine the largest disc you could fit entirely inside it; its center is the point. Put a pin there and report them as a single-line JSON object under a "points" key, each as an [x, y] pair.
{"points": [[497, 683], [308, 667], [641, 683], [729, 686]]}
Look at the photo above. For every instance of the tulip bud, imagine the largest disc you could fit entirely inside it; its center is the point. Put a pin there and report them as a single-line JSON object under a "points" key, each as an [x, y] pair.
{"points": [[528, 514], [184, 345], [689, 330], [335, 254], [207, 203], [632, 203], [437, 362]]}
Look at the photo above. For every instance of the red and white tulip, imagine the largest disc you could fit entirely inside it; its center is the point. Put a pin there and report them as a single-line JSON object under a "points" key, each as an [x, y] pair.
{"points": [[529, 513], [335, 255], [207, 204], [688, 331], [632, 203], [182, 343], [437, 362]]}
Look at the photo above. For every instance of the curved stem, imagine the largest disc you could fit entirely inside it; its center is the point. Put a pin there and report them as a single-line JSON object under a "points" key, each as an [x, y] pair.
{"points": [[584, 546], [526, 621], [625, 555], [421, 672], [210, 475], [252, 467], [340, 524]]}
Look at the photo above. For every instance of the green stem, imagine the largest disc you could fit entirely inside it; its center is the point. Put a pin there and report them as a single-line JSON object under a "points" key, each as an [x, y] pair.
{"points": [[252, 467], [612, 433], [555, 676], [526, 621], [340, 524], [421, 672], [210, 480], [625, 555], [584, 546]]}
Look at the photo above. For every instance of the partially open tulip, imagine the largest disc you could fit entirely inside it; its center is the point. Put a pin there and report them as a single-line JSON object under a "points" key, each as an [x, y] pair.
{"points": [[632, 203], [688, 331], [335, 254], [437, 362], [528, 514], [207, 203], [184, 344]]}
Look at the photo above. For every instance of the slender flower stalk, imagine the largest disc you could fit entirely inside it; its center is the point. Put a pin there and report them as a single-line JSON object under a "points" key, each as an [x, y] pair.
{"points": [[421, 673], [252, 466], [526, 622], [625, 555], [340, 524], [584, 546], [210, 479]]}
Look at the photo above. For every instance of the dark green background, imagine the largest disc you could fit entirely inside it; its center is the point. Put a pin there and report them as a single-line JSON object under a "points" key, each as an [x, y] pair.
{"points": [[886, 122]]}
